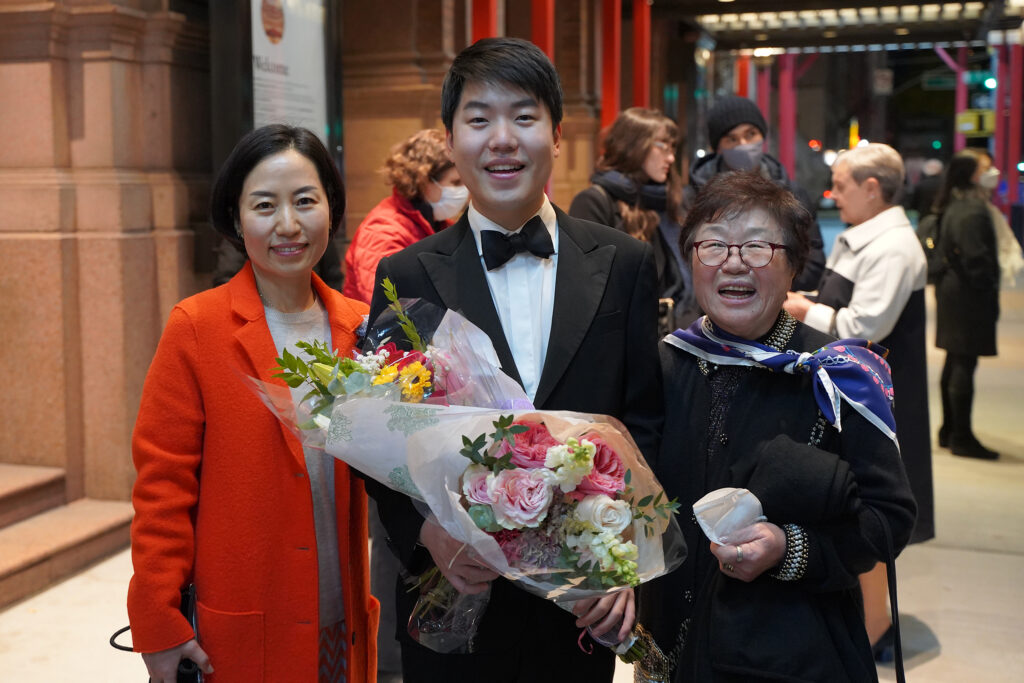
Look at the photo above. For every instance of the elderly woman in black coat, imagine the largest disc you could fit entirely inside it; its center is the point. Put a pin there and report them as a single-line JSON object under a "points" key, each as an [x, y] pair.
{"points": [[757, 400], [966, 297]]}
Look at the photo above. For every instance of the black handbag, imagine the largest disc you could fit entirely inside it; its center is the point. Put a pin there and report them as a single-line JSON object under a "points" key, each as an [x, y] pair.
{"points": [[928, 233], [188, 671]]}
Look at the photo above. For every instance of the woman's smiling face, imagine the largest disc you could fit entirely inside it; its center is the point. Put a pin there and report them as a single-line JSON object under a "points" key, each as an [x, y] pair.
{"points": [[741, 300], [284, 218]]}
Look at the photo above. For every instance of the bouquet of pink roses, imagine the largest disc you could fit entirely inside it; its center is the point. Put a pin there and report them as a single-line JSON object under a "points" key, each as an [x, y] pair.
{"points": [[560, 502]]}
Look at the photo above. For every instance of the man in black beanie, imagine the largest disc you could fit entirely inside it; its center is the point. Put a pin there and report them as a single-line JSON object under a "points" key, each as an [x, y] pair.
{"points": [[736, 130]]}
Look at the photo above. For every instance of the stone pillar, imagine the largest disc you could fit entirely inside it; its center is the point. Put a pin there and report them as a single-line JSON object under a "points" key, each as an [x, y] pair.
{"points": [[103, 175], [576, 27], [392, 73]]}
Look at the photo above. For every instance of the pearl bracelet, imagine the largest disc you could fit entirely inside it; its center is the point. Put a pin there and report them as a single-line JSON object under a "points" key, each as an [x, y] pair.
{"points": [[794, 563]]}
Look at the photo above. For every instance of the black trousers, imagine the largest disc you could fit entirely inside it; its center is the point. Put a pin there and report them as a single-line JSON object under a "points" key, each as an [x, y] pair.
{"points": [[957, 388]]}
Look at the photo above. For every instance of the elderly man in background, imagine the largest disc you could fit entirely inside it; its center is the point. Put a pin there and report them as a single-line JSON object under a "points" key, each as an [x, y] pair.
{"points": [[873, 287]]}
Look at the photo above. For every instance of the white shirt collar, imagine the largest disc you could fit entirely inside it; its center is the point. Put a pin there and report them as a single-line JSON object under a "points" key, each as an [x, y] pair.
{"points": [[858, 236]]}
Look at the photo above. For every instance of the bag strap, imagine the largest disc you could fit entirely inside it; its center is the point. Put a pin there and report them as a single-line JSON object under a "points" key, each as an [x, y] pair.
{"points": [[890, 572], [117, 646]]}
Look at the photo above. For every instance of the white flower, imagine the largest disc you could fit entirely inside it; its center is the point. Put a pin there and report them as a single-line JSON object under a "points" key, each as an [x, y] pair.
{"points": [[604, 514], [569, 463]]}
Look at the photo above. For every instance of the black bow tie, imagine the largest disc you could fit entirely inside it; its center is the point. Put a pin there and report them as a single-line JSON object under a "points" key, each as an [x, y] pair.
{"points": [[499, 248]]}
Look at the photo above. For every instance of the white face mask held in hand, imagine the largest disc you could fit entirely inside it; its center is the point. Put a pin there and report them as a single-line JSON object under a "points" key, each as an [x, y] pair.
{"points": [[453, 200], [726, 511], [743, 157], [989, 179]]}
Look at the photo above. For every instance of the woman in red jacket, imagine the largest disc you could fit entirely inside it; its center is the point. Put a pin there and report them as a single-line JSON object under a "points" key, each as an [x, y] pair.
{"points": [[426, 195], [273, 536]]}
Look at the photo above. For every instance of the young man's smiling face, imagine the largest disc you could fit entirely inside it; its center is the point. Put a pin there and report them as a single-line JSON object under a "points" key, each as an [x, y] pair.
{"points": [[504, 146]]}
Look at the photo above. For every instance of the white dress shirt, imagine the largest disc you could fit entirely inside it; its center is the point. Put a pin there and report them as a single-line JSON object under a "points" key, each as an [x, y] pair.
{"points": [[523, 291]]}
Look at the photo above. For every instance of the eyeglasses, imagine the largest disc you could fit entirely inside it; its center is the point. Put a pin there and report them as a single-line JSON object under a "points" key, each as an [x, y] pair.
{"points": [[662, 145], [755, 254]]}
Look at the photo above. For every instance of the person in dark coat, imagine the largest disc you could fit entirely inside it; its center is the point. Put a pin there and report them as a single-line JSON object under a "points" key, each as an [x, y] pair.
{"points": [[736, 131], [570, 307], [922, 198], [966, 299], [636, 189], [777, 600]]}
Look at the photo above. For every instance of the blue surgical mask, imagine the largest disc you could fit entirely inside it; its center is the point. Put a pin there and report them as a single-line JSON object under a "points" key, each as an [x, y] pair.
{"points": [[743, 157]]}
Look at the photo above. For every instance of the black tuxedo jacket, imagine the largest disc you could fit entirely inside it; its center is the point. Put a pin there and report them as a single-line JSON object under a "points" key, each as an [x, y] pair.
{"points": [[602, 354]]}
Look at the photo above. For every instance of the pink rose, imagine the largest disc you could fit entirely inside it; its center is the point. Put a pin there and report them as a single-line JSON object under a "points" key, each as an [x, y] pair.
{"points": [[608, 475], [521, 498], [531, 446], [476, 486]]}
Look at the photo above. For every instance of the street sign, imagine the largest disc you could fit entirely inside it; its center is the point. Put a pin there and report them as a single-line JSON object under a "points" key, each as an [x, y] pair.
{"points": [[940, 81], [976, 123]]}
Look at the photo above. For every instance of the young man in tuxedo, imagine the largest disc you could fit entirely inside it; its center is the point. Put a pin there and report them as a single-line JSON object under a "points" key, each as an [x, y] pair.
{"points": [[571, 309]]}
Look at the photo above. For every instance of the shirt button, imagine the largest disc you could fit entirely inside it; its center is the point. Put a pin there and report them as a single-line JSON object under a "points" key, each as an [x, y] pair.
{"points": [[688, 596]]}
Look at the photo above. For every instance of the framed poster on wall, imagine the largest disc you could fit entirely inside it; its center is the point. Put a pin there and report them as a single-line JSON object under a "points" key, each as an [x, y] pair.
{"points": [[289, 82]]}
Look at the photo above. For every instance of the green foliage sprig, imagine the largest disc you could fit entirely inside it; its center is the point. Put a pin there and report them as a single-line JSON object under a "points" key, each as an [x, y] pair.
{"points": [[403, 320], [657, 506], [322, 374], [504, 430]]}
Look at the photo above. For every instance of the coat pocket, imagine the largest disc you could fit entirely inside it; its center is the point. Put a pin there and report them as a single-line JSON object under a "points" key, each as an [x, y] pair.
{"points": [[234, 641]]}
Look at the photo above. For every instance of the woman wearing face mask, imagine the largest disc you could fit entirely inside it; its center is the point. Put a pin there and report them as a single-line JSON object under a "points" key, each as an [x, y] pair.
{"points": [[966, 297], [427, 195], [1011, 260], [636, 189]]}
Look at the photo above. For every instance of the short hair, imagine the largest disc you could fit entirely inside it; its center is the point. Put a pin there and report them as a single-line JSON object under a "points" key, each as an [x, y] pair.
{"points": [[253, 148], [505, 61], [416, 160], [878, 161], [958, 179], [730, 194]]}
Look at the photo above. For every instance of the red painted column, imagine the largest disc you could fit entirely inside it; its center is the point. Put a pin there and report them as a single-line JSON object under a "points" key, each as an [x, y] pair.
{"points": [[542, 26], [1013, 151], [641, 53], [485, 19], [743, 76], [787, 113], [611, 60], [1002, 87], [764, 91]]}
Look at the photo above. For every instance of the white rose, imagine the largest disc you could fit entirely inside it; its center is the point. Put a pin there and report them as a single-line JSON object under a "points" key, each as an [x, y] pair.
{"points": [[604, 513]]}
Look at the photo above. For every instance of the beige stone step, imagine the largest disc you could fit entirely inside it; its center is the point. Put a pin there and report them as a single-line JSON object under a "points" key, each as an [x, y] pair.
{"points": [[26, 490], [37, 552]]}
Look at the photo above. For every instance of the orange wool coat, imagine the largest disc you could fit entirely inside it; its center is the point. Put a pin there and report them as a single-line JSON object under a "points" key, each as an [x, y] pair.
{"points": [[222, 498]]}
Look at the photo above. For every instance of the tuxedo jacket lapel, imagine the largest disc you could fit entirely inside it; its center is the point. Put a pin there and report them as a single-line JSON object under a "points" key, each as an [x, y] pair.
{"points": [[458, 276], [583, 268]]}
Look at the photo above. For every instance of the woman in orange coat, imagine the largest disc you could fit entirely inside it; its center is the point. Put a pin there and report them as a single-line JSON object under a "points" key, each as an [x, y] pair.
{"points": [[273, 536]]}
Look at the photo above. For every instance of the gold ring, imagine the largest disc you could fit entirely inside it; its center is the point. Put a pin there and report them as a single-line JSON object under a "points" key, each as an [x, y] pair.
{"points": [[739, 554], [728, 567]]}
